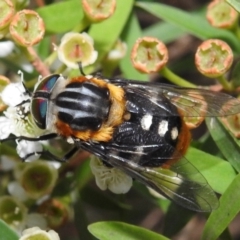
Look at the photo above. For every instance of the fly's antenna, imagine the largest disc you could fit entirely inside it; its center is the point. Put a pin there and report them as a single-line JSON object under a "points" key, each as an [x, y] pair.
{"points": [[81, 68], [27, 92]]}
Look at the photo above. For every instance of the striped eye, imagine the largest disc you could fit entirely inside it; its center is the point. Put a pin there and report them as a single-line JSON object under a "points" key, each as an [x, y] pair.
{"points": [[41, 96]]}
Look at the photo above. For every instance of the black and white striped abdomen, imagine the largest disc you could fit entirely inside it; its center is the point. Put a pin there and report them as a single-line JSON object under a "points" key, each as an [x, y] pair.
{"points": [[84, 106]]}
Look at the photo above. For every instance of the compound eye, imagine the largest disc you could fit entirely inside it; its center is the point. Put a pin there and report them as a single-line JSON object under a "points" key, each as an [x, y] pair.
{"points": [[47, 83], [41, 96], [39, 112]]}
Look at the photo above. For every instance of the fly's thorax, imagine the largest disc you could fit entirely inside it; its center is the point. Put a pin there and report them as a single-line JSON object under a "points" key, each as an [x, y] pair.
{"points": [[88, 109], [82, 105]]}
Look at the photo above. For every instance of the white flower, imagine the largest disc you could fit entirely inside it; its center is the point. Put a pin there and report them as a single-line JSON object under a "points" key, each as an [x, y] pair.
{"points": [[77, 47], [18, 120], [35, 233], [14, 93], [110, 178], [24, 148]]}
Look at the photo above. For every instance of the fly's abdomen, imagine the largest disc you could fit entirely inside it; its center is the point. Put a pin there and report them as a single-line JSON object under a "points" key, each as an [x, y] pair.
{"points": [[83, 106]]}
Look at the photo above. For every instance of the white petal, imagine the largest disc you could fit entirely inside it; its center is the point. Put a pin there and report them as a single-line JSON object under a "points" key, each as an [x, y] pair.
{"points": [[6, 127], [30, 230], [25, 148], [17, 191], [87, 38], [6, 48], [68, 36], [110, 178], [121, 183], [91, 60], [13, 94], [29, 234], [7, 163], [53, 235]]}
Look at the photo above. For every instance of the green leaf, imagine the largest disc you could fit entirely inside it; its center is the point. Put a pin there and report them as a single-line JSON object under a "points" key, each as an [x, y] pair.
{"points": [[190, 22], [106, 33], [164, 31], [131, 33], [43, 48], [225, 142], [235, 75], [219, 173], [229, 208], [235, 4], [61, 17], [6, 233], [122, 231]]}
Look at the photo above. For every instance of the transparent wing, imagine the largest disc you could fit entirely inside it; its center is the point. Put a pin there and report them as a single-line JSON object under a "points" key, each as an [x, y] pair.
{"points": [[181, 182], [177, 180], [192, 102]]}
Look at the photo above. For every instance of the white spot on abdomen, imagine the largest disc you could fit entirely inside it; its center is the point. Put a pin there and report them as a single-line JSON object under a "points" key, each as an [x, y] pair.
{"points": [[163, 128], [174, 133], [146, 122]]}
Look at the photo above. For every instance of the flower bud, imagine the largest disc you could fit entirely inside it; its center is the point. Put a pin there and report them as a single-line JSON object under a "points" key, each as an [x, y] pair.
{"points": [[232, 122], [27, 28], [97, 11], [75, 48], [190, 121], [55, 212], [12, 212], [213, 58], [38, 178], [149, 55], [7, 12], [221, 15]]}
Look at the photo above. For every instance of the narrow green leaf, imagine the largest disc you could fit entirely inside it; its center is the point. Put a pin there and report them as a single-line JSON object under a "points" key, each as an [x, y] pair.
{"points": [[235, 4], [131, 33], [106, 33], [229, 208], [164, 31], [225, 142], [43, 48], [122, 231], [235, 75], [62, 16], [219, 173], [6, 233], [190, 22]]}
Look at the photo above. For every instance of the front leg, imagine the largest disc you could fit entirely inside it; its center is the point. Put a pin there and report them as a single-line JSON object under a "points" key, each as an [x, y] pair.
{"points": [[52, 156], [31, 139]]}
